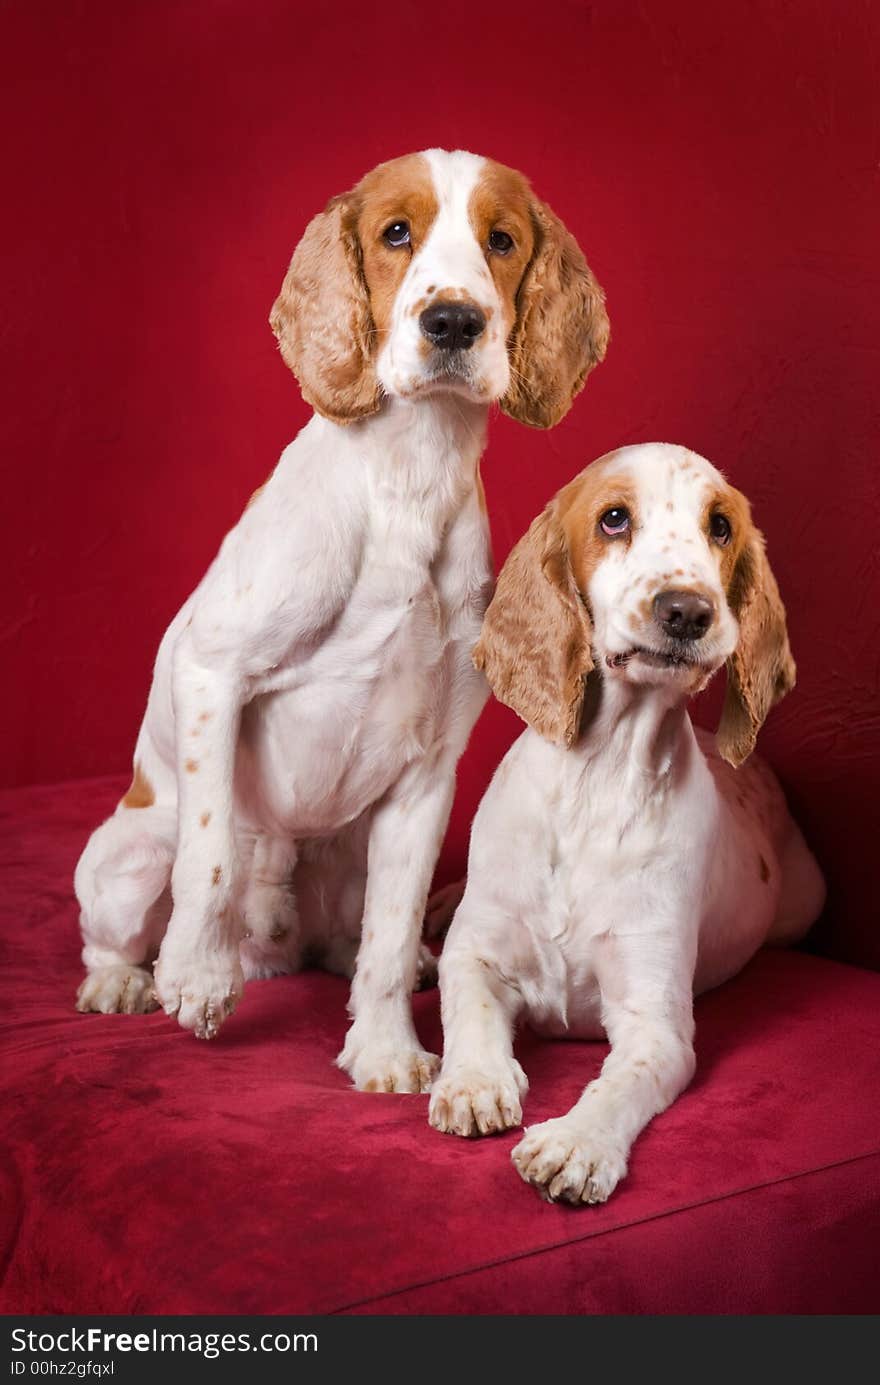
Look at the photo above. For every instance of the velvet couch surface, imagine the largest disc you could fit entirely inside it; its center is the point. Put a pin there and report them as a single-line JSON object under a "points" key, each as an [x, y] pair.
{"points": [[146, 1172]]}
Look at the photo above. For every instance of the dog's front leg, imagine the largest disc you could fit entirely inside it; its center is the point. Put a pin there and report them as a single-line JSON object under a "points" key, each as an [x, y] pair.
{"points": [[481, 1085], [647, 1011], [198, 976], [382, 1052]]}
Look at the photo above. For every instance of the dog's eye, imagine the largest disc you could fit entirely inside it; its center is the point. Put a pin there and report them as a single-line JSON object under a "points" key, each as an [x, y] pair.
{"points": [[719, 528], [615, 521], [500, 243], [397, 234]]}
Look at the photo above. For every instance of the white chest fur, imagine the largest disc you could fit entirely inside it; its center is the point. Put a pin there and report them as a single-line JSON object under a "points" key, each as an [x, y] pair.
{"points": [[335, 721]]}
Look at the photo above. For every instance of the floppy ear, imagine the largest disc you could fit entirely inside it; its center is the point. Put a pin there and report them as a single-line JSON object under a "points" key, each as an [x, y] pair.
{"points": [[322, 318], [534, 647], [561, 328], [761, 669]]}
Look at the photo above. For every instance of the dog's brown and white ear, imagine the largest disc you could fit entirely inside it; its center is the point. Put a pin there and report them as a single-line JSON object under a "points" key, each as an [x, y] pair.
{"points": [[761, 669], [534, 647], [561, 329], [322, 318]]}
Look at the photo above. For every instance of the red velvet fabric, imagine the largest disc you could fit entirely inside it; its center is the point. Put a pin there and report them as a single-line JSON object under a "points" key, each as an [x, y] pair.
{"points": [[719, 165], [719, 168], [145, 1172]]}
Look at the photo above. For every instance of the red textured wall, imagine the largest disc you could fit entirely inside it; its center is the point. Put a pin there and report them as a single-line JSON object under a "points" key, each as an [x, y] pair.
{"points": [[720, 169]]}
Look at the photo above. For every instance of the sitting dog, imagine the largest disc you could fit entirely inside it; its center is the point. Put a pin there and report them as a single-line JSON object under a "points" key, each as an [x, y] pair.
{"points": [[295, 767], [620, 860]]}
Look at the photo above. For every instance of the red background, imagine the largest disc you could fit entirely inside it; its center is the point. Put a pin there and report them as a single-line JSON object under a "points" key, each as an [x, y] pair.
{"points": [[721, 172]]}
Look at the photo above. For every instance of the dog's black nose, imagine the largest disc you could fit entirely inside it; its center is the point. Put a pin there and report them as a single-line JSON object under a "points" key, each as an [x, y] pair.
{"points": [[683, 615], [452, 326]]}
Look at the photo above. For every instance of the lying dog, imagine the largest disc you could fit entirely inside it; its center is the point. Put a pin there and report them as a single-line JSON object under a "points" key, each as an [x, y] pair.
{"points": [[295, 767], [617, 863]]}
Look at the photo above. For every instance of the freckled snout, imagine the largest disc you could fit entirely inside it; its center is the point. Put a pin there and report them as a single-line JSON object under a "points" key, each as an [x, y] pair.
{"points": [[452, 326], [683, 615]]}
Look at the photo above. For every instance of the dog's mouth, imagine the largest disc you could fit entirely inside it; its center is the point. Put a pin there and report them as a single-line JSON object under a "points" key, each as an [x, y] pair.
{"points": [[452, 362], [453, 371], [457, 366], [672, 659]]}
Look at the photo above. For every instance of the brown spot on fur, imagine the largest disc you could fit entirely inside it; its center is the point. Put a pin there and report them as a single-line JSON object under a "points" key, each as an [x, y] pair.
{"points": [[140, 794], [277, 933], [337, 296], [401, 189], [733, 505], [502, 200], [535, 643], [325, 285], [761, 669], [582, 503], [205, 819], [765, 870], [191, 766], [216, 875], [554, 309], [205, 716]]}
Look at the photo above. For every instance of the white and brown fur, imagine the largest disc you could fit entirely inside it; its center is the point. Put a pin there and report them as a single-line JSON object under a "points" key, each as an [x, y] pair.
{"points": [[295, 766], [620, 860]]}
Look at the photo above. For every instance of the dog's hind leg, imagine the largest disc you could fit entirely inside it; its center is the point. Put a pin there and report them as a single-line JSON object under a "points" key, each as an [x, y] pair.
{"points": [[271, 942], [801, 891], [121, 883], [330, 883]]}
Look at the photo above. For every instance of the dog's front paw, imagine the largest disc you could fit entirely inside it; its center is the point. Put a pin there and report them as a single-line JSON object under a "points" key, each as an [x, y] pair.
{"points": [[375, 1068], [119, 990], [201, 993], [568, 1164], [478, 1101]]}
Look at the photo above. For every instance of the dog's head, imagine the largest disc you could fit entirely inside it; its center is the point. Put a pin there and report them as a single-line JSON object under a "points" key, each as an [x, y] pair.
{"points": [[648, 568], [440, 272]]}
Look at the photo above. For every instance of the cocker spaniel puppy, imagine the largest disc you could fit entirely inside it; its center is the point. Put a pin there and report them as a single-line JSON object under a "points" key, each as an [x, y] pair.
{"points": [[620, 860]]}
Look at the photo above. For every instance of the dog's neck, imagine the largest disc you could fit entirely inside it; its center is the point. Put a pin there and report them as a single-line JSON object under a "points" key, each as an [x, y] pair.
{"points": [[634, 730], [436, 422], [415, 445], [417, 460]]}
